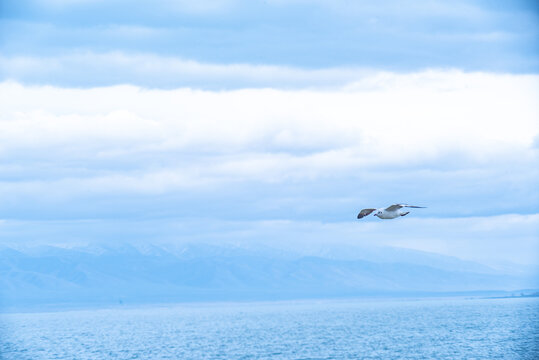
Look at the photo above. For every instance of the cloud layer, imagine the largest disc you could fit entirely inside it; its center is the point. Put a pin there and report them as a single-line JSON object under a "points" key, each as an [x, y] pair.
{"points": [[415, 133], [473, 35]]}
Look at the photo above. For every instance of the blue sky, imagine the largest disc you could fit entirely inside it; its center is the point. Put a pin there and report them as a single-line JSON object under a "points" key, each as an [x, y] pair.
{"points": [[180, 118], [497, 36]]}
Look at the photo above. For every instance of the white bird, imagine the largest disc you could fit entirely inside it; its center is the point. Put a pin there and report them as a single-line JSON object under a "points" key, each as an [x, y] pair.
{"points": [[390, 212]]}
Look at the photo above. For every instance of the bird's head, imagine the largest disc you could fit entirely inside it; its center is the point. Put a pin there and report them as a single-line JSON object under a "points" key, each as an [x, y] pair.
{"points": [[378, 213]]}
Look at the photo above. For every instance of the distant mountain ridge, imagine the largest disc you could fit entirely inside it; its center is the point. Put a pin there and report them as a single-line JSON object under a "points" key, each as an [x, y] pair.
{"points": [[149, 273]]}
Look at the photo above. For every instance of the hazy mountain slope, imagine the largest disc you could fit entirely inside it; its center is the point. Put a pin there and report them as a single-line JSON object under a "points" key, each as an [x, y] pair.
{"points": [[52, 275]]}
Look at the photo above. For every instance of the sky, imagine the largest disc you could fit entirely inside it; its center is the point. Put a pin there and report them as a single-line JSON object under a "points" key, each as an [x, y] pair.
{"points": [[272, 122]]}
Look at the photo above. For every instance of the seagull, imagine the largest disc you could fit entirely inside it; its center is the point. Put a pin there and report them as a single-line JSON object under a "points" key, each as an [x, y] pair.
{"points": [[390, 212]]}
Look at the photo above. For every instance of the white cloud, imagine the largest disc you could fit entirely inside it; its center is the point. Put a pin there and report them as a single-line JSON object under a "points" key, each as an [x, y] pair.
{"points": [[155, 71], [162, 71], [385, 118], [470, 136], [188, 6]]}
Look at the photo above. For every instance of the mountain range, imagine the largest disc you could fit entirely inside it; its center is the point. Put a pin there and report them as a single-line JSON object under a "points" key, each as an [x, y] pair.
{"points": [[104, 274]]}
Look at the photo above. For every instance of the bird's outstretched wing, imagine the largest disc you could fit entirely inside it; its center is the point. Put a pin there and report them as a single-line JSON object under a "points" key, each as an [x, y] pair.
{"points": [[364, 213], [400, 206]]}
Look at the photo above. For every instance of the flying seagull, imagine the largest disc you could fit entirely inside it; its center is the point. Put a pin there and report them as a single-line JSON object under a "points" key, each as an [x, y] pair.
{"points": [[390, 212]]}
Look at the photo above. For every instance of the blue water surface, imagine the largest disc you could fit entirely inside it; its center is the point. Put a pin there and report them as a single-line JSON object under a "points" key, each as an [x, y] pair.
{"points": [[453, 328]]}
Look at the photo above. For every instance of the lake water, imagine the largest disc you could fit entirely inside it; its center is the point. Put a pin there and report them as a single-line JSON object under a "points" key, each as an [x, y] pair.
{"points": [[328, 329]]}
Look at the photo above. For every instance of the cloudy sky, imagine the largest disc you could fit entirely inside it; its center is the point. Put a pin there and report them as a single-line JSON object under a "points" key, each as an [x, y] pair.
{"points": [[272, 122]]}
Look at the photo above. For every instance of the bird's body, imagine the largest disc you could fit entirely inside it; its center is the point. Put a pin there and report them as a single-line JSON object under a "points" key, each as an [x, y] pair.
{"points": [[385, 214], [390, 212]]}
